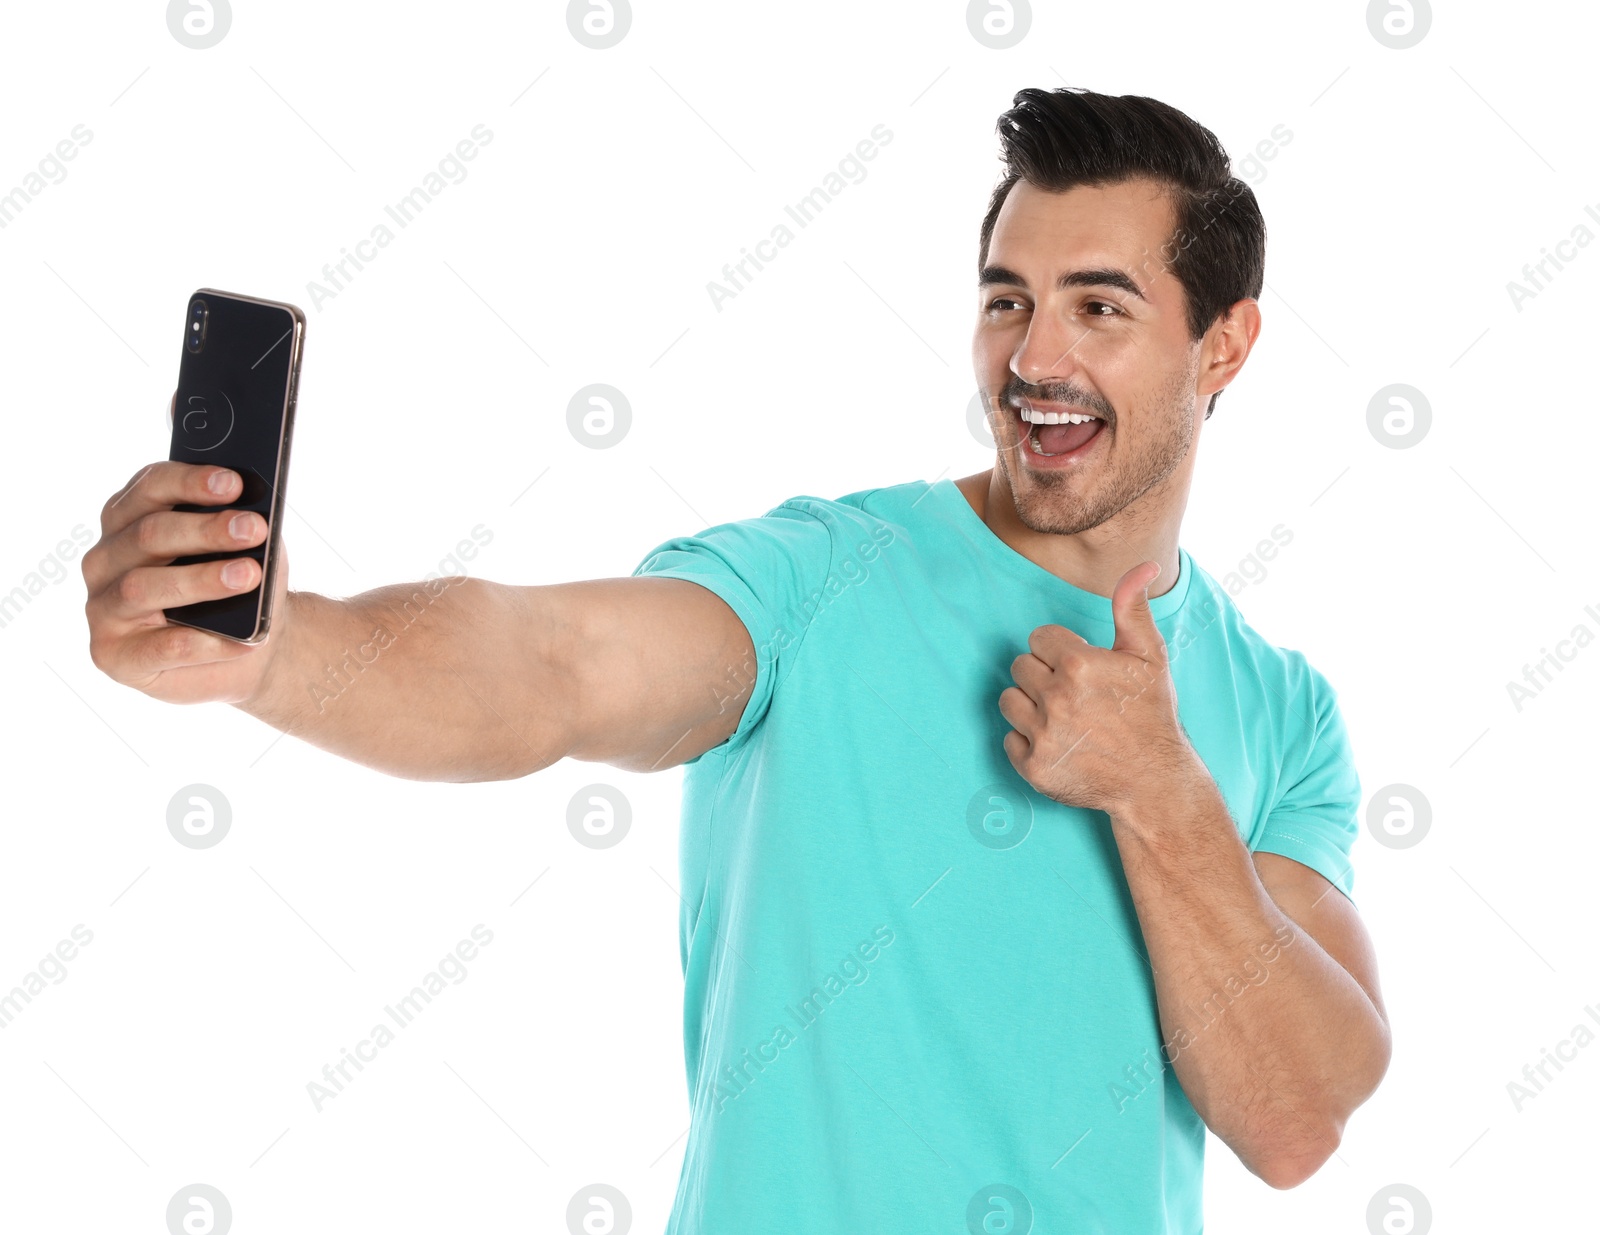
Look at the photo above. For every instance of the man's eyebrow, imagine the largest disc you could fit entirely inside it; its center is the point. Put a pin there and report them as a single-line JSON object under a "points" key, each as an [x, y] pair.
{"points": [[1108, 276]]}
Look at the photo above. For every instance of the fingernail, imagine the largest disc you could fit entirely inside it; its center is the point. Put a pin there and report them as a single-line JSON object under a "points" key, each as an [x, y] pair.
{"points": [[239, 527], [234, 574], [220, 482]]}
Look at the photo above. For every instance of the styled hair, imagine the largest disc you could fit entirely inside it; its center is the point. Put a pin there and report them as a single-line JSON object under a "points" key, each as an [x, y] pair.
{"points": [[1060, 139]]}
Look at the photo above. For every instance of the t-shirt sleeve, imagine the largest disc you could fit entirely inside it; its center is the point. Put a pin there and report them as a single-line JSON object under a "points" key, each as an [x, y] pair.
{"points": [[770, 571], [1315, 819]]}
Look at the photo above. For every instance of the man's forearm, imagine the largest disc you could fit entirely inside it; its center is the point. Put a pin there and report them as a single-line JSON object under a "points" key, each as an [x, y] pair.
{"points": [[409, 679], [1273, 1053]]}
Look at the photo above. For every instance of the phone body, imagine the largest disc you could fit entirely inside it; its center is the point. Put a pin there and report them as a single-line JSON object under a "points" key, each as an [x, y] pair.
{"points": [[237, 385]]}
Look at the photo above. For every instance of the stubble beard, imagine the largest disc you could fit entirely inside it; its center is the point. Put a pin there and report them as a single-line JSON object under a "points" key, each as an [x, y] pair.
{"points": [[1064, 503]]}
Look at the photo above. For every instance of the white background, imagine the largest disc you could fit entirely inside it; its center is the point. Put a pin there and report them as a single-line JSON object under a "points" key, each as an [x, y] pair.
{"points": [[577, 250]]}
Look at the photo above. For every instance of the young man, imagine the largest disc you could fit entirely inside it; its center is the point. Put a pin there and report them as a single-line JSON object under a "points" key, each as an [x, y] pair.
{"points": [[1013, 858]]}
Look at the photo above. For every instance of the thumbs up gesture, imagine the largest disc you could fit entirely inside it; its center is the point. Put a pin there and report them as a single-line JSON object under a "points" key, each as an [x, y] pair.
{"points": [[1098, 727]]}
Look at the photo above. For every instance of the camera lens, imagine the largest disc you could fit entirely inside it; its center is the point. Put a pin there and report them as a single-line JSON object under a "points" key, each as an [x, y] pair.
{"points": [[195, 336]]}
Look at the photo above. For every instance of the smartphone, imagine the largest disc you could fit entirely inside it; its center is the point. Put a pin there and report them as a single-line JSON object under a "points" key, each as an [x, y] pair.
{"points": [[235, 401]]}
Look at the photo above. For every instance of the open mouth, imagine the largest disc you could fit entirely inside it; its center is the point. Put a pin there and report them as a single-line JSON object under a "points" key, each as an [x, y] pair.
{"points": [[1059, 443]]}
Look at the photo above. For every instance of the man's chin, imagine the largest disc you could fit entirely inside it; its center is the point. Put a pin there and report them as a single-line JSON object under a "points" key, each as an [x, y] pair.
{"points": [[1038, 513]]}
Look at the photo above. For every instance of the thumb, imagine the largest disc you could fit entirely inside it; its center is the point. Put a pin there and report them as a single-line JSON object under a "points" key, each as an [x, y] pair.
{"points": [[1130, 611]]}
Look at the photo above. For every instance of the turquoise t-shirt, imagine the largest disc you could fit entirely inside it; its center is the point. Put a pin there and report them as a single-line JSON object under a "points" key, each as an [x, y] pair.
{"points": [[916, 992]]}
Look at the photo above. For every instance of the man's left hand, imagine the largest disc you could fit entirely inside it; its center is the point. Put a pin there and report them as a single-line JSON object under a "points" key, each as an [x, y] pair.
{"points": [[1094, 727]]}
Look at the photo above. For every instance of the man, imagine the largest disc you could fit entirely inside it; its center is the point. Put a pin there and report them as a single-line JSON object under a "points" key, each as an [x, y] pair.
{"points": [[1012, 857]]}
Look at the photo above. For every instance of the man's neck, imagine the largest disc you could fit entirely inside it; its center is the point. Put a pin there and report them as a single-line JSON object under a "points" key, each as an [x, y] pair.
{"points": [[1093, 561]]}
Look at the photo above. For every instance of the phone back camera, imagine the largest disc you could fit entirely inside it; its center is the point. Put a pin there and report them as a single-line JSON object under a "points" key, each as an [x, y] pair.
{"points": [[194, 337]]}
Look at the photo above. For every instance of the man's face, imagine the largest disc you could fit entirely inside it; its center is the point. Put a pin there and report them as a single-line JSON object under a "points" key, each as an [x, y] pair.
{"points": [[1114, 343]]}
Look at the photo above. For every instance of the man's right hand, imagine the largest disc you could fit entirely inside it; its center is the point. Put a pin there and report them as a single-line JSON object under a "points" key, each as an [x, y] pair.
{"points": [[131, 580], [453, 679]]}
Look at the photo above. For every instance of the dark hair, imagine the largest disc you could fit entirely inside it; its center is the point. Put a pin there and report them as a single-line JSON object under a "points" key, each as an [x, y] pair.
{"points": [[1061, 139]]}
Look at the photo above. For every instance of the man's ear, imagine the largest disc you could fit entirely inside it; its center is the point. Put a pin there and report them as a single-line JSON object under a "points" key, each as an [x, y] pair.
{"points": [[1227, 345]]}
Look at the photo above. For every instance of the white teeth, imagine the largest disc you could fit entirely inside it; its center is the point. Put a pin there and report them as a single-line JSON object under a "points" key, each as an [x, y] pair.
{"points": [[1033, 441], [1054, 418]]}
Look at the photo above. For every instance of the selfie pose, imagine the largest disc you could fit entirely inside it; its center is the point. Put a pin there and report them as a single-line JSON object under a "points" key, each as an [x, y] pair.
{"points": [[1013, 858]]}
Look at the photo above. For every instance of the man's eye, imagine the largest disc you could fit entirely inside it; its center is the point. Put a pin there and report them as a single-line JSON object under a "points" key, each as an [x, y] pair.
{"points": [[1092, 305]]}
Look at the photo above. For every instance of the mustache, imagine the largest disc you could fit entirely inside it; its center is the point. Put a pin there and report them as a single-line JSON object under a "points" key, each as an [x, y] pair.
{"points": [[1012, 397]]}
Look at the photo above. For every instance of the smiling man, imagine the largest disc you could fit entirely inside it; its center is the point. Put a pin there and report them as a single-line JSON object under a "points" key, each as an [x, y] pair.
{"points": [[1012, 858]]}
